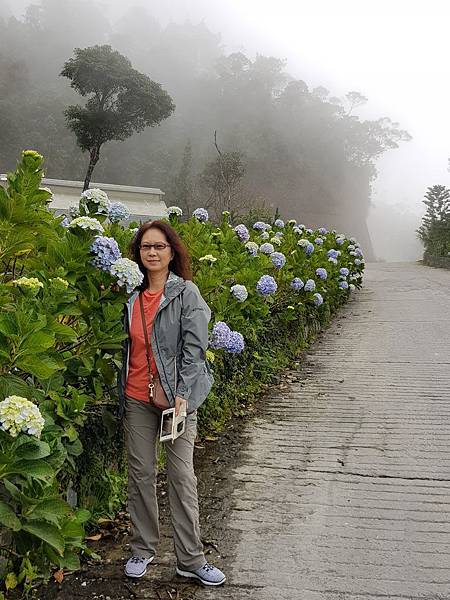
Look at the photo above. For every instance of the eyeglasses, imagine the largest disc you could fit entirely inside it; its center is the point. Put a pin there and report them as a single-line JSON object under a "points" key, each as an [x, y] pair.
{"points": [[159, 247]]}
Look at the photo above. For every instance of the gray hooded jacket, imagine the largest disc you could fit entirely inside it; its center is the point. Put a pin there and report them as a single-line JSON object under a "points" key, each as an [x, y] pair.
{"points": [[179, 341]]}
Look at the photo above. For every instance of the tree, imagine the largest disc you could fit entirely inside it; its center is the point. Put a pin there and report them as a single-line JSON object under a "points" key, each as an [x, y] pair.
{"points": [[121, 100], [435, 229]]}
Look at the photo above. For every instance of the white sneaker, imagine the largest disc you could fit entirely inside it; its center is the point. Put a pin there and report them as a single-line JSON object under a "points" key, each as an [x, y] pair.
{"points": [[208, 574], [137, 566]]}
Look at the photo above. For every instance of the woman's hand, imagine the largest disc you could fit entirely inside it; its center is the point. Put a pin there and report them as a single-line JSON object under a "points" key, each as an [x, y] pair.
{"points": [[180, 406]]}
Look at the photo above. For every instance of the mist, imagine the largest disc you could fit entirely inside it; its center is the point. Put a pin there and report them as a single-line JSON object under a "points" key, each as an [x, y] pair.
{"points": [[371, 49]]}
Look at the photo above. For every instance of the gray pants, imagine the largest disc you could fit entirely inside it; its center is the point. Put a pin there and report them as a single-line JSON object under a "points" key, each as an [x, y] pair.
{"points": [[142, 432]]}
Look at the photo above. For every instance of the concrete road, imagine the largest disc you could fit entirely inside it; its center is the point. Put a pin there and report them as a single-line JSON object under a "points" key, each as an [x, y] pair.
{"points": [[343, 491]]}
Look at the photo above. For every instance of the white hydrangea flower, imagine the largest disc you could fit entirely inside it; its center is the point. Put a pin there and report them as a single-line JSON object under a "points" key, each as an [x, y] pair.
{"points": [[18, 415], [239, 292], [208, 258], [95, 196], [58, 282], [128, 273], [174, 210], [29, 282], [252, 248], [87, 223]]}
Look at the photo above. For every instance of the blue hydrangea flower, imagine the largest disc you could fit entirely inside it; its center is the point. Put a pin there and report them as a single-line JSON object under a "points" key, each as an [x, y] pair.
{"points": [[278, 259], [359, 252], [340, 241], [242, 233], [309, 249], [220, 335], [344, 271], [343, 285], [128, 273], [310, 285], [235, 343], [322, 231], [266, 248], [279, 223], [65, 222], [333, 253], [106, 252], [117, 212], [261, 226], [318, 241], [297, 284], [318, 300], [264, 235], [266, 285], [201, 214], [279, 234], [322, 273], [239, 292], [252, 248]]}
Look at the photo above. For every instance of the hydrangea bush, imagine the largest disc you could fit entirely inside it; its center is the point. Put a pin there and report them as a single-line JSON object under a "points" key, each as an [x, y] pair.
{"points": [[63, 292]]}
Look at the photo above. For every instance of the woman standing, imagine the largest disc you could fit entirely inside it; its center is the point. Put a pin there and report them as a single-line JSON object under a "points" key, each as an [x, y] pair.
{"points": [[170, 307]]}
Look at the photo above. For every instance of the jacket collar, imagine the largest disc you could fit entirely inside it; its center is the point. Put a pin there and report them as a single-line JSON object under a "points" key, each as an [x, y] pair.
{"points": [[173, 287]]}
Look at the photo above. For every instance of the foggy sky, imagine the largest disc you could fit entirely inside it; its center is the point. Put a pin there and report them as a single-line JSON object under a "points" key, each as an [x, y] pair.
{"points": [[395, 53]]}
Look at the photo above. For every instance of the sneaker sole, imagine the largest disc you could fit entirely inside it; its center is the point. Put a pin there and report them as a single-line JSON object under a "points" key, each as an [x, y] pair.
{"points": [[194, 576], [143, 572]]}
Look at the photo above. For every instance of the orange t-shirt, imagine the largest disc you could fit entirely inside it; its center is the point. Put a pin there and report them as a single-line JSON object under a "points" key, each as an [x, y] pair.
{"points": [[137, 381]]}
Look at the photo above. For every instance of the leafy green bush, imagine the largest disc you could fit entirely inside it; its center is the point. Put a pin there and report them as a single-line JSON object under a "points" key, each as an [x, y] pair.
{"points": [[63, 286], [435, 228]]}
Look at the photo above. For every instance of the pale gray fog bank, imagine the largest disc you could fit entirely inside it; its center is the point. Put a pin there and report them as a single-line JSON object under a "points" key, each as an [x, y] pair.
{"points": [[297, 93]]}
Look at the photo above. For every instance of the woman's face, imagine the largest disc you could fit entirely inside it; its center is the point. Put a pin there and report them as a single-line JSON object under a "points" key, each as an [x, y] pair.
{"points": [[155, 259]]}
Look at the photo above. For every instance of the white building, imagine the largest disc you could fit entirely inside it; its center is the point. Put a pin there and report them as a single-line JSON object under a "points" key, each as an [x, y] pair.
{"points": [[143, 203]]}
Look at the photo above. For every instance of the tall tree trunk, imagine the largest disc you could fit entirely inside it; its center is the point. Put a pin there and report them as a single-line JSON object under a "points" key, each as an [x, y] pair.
{"points": [[94, 156]]}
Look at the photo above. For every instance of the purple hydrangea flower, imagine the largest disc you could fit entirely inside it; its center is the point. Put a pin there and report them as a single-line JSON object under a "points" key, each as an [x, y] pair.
{"points": [[235, 343], [220, 335], [343, 285], [239, 292], [266, 285], [279, 223], [318, 241], [278, 259], [279, 234], [322, 273], [201, 214], [318, 300], [242, 233], [309, 249], [310, 285], [106, 252], [340, 241], [322, 231], [344, 271], [297, 284], [261, 226], [266, 248], [333, 253], [117, 212]]}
